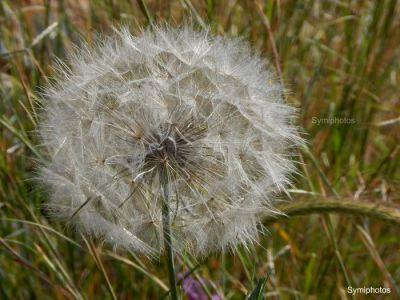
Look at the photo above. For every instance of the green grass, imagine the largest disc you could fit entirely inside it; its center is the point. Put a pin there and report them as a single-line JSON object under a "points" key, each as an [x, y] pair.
{"points": [[337, 58]]}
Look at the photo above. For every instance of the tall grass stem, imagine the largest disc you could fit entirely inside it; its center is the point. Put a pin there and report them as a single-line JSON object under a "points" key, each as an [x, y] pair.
{"points": [[349, 206]]}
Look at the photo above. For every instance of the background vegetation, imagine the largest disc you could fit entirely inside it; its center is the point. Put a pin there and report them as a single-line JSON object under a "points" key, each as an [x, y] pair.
{"points": [[337, 58]]}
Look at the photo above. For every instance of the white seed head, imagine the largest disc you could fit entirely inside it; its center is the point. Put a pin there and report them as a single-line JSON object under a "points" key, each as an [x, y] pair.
{"points": [[206, 110]]}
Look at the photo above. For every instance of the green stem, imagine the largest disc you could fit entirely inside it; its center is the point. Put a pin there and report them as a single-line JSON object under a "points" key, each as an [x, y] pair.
{"points": [[167, 237], [350, 206]]}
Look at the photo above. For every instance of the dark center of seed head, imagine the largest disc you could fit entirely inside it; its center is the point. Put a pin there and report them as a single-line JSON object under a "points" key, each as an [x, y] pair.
{"points": [[174, 145], [165, 148], [170, 146]]}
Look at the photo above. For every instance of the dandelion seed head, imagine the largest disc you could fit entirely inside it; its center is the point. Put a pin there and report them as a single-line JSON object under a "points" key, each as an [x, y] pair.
{"points": [[206, 111]]}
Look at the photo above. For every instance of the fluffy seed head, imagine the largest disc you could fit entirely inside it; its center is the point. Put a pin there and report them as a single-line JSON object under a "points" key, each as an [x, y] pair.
{"points": [[203, 110]]}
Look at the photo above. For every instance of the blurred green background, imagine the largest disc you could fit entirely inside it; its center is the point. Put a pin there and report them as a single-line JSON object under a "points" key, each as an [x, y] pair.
{"points": [[338, 59]]}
